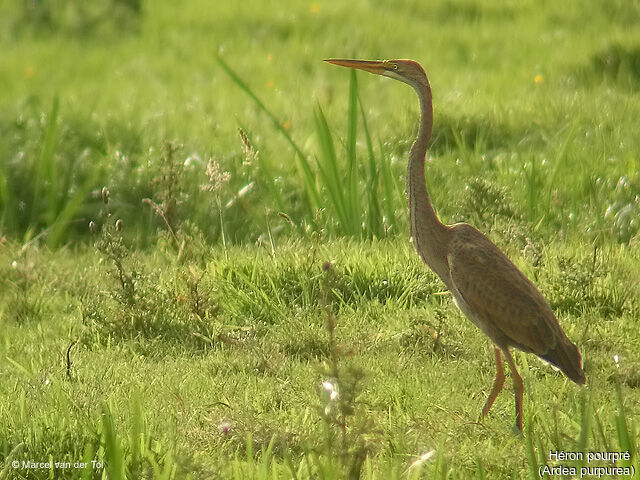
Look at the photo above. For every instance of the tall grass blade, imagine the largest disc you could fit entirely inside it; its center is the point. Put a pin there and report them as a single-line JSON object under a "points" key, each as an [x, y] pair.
{"points": [[21, 368], [72, 207], [330, 174], [13, 455], [585, 426], [601, 431], [267, 457], [626, 438], [531, 454], [114, 460], [45, 171], [87, 457], [375, 225], [480, 471], [303, 164], [353, 181], [137, 431], [249, 449], [542, 449]]}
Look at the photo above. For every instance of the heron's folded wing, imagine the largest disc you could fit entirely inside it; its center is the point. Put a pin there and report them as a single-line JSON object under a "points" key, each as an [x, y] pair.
{"points": [[500, 294]]}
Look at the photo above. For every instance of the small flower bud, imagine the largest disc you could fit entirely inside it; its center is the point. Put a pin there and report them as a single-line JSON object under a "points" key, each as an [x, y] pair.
{"points": [[105, 195], [119, 225], [92, 226], [326, 266], [225, 427]]}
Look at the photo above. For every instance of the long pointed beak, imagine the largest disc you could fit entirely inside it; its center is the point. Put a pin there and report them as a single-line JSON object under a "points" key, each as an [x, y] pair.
{"points": [[373, 66]]}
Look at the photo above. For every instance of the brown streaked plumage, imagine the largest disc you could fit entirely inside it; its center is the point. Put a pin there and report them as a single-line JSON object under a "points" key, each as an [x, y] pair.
{"points": [[489, 289]]}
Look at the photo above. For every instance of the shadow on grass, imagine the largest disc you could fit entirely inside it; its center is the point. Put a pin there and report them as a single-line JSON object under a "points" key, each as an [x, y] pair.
{"points": [[50, 163], [48, 17], [616, 64], [479, 134], [466, 135]]}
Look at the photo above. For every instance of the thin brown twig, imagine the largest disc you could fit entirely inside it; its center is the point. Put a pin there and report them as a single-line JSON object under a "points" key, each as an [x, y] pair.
{"points": [[156, 208], [69, 363]]}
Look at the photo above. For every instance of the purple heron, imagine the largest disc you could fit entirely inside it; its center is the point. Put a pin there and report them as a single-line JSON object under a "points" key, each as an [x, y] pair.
{"points": [[489, 289]]}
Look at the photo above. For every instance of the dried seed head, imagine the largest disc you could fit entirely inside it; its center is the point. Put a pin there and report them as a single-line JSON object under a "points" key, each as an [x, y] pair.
{"points": [[326, 266], [105, 195], [92, 226], [119, 225], [247, 148], [250, 153], [217, 177]]}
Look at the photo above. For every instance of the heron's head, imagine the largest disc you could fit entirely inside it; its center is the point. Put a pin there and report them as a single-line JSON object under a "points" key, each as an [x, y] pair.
{"points": [[406, 71]]}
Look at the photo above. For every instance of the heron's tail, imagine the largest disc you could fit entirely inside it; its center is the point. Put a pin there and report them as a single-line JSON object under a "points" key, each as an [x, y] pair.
{"points": [[566, 357]]}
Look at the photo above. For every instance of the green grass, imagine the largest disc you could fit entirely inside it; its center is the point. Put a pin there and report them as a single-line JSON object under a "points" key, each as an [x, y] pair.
{"points": [[123, 92], [193, 338], [212, 357]]}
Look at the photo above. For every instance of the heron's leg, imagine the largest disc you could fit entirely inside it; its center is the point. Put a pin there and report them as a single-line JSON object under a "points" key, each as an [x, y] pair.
{"points": [[498, 383], [518, 387]]}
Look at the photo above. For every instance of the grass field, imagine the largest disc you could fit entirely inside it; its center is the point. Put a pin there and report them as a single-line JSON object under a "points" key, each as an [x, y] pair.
{"points": [[245, 302]]}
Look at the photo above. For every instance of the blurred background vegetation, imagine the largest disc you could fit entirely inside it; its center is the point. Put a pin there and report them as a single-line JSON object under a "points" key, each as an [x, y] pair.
{"points": [[536, 116]]}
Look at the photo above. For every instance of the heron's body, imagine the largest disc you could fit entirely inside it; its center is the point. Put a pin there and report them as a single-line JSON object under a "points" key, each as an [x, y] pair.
{"points": [[487, 287]]}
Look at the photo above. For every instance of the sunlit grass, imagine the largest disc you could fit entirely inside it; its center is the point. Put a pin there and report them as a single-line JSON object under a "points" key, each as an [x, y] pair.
{"points": [[261, 249], [218, 365]]}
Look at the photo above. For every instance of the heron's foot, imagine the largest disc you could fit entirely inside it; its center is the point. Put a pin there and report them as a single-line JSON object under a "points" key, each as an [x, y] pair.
{"points": [[486, 408], [481, 417], [517, 430]]}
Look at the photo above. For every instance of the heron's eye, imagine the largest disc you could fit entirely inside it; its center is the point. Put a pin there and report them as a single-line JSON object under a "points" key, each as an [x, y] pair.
{"points": [[395, 66]]}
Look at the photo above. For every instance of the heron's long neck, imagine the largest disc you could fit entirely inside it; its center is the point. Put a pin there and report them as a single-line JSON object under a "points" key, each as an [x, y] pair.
{"points": [[427, 232]]}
